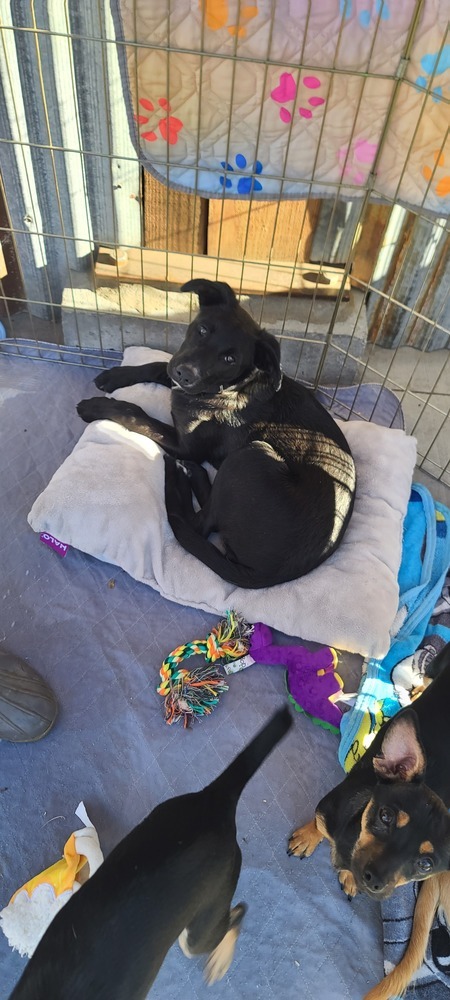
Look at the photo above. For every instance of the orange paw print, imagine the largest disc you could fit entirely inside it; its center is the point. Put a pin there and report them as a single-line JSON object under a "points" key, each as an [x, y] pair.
{"points": [[216, 16], [442, 188]]}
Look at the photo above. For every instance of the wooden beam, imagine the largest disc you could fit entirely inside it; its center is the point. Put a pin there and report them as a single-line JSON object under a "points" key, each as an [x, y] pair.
{"points": [[262, 230], [371, 235], [173, 220], [248, 276]]}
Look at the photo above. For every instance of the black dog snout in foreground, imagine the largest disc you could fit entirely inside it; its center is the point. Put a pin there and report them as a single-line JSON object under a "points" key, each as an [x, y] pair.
{"points": [[173, 876], [285, 486]]}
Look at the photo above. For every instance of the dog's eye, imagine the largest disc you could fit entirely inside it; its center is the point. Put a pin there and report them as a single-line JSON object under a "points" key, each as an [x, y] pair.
{"points": [[203, 330], [425, 865], [386, 815], [229, 358]]}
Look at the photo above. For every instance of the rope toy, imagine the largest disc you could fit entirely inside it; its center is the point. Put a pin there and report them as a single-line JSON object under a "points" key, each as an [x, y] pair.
{"points": [[313, 683], [195, 692]]}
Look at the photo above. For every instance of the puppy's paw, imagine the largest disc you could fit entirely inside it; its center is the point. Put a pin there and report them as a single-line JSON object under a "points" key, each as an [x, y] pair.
{"points": [[94, 409], [184, 466], [109, 380], [420, 688], [104, 408], [220, 959], [304, 840], [183, 943], [177, 490], [347, 882]]}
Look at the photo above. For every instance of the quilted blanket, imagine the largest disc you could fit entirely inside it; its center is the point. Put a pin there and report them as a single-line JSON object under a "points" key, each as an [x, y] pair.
{"points": [[291, 98], [423, 570]]}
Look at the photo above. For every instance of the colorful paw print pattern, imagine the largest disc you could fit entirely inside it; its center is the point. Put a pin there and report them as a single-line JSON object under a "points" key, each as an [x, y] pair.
{"points": [[286, 92], [440, 181], [380, 12], [245, 185], [433, 65], [358, 158], [217, 16], [167, 126]]}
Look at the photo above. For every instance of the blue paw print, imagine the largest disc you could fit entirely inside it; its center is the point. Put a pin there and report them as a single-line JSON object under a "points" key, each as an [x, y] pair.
{"points": [[433, 66], [381, 10], [245, 185], [345, 8], [365, 16]]}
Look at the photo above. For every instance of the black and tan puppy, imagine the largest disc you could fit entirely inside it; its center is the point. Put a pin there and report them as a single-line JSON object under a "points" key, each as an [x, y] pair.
{"points": [[172, 877], [285, 485], [388, 821]]}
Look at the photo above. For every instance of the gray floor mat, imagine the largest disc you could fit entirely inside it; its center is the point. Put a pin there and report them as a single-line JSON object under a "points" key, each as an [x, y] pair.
{"points": [[100, 646]]}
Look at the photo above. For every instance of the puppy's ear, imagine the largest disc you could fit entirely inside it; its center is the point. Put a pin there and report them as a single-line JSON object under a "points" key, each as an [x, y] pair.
{"points": [[402, 756], [267, 355], [211, 293]]}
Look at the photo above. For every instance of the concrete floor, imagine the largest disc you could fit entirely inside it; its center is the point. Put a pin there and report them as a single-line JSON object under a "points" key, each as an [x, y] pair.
{"points": [[24, 325], [422, 383]]}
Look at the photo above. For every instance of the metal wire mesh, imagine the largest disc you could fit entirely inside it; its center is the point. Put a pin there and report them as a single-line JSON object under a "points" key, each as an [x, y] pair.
{"points": [[72, 181]]}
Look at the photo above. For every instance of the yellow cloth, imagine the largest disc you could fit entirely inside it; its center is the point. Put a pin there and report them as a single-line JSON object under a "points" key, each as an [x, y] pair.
{"points": [[61, 875], [30, 910]]}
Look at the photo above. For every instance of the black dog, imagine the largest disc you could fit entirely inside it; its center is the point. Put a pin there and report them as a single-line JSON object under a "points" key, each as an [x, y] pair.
{"points": [[285, 486], [388, 821], [172, 877]]}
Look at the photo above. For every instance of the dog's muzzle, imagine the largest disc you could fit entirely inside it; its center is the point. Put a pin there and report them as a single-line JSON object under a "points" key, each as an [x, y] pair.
{"points": [[186, 376]]}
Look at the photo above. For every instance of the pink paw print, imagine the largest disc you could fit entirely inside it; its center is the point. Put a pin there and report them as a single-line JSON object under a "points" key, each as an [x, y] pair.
{"points": [[358, 158], [287, 91], [168, 126]]}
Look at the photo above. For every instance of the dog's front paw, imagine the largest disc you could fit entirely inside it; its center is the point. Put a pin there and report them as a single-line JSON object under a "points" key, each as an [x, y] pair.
{"points": [[109, 380], [304, 840], [177, 490], [96, 408], [347, 882]]}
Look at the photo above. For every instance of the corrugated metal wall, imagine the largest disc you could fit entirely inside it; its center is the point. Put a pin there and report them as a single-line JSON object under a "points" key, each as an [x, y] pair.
{"points": [[67, 162]]}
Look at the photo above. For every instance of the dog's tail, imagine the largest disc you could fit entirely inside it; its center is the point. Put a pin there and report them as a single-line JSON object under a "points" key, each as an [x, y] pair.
{"points": [[233, 780], [397, 981], [207, 553]]}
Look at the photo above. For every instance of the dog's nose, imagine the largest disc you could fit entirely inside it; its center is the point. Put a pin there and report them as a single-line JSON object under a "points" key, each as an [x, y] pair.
{"points": [[184, 374], [372, 881]]}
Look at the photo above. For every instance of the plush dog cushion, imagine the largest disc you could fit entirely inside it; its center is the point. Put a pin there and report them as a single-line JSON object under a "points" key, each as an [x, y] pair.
{"points": [[107, 499]]}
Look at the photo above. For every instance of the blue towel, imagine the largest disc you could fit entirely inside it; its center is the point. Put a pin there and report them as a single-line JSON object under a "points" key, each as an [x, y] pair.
{"points": [[425, 562]]}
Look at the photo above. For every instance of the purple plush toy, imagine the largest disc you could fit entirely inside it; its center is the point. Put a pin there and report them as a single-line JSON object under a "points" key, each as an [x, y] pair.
{"points": [[311, 679]]}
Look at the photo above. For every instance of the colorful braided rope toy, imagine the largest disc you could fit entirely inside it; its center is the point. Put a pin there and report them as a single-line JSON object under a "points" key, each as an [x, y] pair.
{"points": [[195, 692], [312, 681]]}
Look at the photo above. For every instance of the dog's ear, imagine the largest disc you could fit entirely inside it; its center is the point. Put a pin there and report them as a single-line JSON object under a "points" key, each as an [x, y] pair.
{"points": [[267, 355], [211, 293], [402, 757]]}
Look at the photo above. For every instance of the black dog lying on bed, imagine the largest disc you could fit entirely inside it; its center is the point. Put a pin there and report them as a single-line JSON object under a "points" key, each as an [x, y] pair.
{"points": [[285, 486], [173, 876]]}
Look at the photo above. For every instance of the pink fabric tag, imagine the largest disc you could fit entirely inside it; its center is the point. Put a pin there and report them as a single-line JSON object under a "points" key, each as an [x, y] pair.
{"points": [[60, 547]]}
